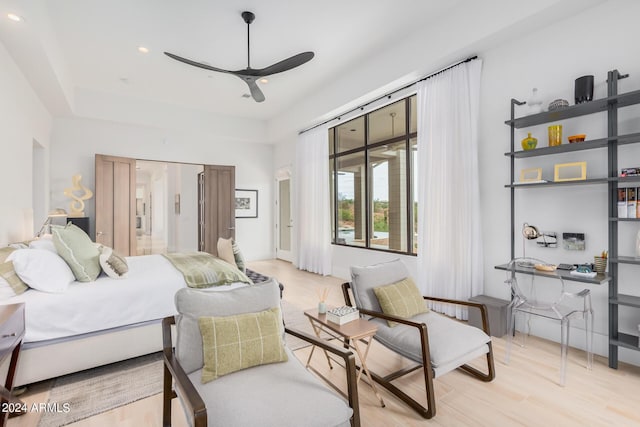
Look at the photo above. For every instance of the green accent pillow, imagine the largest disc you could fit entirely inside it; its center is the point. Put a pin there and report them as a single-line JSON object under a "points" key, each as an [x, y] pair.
{"points": [[238, 342], [401, 299], [8, 273], [238, 257], [77, 249]]}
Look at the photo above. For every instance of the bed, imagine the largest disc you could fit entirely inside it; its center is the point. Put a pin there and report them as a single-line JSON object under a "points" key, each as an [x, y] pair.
{"points": [[100, 322]]}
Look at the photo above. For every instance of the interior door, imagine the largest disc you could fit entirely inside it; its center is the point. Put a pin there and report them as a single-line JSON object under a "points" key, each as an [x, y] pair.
{"points": [[284, 224], [219, 218], [116, 203]]}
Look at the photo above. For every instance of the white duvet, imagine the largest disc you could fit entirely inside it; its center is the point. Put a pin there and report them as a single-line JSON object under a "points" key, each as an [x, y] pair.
{"points": [[146, 294]]}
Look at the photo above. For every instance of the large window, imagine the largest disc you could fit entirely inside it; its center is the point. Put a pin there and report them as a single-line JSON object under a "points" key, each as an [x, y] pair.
{"points": [[372, 173]]}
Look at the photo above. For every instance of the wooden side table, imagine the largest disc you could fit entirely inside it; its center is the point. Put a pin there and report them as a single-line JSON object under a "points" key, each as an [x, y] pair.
{"points": [[11, 335], [353, 334]]}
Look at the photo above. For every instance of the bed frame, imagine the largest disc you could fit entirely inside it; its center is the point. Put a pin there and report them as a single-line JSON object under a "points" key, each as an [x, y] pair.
{"points": [[44, 360]]}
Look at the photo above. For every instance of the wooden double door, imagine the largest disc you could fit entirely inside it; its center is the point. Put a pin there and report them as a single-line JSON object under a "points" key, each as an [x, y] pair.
{"points": [[115, 192]]}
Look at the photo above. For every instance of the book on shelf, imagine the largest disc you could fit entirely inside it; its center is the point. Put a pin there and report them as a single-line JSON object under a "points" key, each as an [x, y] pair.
{"points": [[342, 315], [631, 202], [622, 203]]}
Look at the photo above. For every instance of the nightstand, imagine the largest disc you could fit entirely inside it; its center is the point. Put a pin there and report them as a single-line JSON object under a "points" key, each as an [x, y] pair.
{"points": [[11, 335]]}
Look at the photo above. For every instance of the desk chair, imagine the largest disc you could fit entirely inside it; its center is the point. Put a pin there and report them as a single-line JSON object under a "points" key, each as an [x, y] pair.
{"points": [[566, 307]]}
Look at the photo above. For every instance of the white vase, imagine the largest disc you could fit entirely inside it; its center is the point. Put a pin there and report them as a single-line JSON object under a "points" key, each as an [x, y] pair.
{"points": [[535, 103]]}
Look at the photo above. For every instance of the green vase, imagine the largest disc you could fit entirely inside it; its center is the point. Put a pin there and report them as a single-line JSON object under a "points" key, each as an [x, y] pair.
{"points": [[529, 143]]}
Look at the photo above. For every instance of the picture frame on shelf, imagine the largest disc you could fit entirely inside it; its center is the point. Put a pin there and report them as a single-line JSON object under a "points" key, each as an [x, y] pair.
{"points": [[531, 175], [246, 203], [574, 171]]}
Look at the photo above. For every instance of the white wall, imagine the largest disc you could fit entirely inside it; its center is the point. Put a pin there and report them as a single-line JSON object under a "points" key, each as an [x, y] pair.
{"points": [[548, 55], [23, 120], [550, 59], [75, 142]]}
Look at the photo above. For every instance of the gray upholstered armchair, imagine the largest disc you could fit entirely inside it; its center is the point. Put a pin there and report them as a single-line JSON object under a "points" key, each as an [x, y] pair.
{"points": [[282, 393], [431, 340]]}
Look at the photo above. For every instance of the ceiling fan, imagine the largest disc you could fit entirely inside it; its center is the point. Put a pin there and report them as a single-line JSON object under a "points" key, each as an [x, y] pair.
{"points": [[250, 75]]}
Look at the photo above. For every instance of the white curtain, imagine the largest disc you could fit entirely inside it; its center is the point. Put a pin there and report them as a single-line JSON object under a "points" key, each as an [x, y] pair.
{"points": [[311, 202], [449, 235]]}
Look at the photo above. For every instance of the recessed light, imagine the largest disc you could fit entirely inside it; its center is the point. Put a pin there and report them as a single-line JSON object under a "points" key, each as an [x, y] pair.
{"points": [[143, 49], [246, 95], [264, 80], [14, 17]]}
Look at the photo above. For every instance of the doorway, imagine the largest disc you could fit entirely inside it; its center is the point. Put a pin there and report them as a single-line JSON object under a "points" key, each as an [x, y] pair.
{"points": [[284, 220]]}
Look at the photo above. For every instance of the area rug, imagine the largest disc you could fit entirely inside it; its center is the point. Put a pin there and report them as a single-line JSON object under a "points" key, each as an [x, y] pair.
{"points": [[98, 390], [294, 318]]}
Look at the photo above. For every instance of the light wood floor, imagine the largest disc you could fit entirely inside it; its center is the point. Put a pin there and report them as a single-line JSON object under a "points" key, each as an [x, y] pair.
{"points": [[524, 393]]}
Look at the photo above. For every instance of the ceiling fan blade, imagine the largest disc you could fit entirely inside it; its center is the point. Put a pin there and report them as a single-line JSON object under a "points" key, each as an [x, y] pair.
{"points": [[197, 64], [284, 65], [256, 93]]}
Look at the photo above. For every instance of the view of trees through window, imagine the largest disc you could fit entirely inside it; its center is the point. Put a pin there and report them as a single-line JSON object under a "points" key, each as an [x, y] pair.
{"points": [[372, 179]]}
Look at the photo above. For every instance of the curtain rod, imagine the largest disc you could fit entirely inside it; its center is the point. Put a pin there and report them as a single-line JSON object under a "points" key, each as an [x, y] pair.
{"points": [[388, 95]]}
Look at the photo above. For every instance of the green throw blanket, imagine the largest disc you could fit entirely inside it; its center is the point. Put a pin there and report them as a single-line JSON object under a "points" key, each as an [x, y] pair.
{"points": [[203, 270]]}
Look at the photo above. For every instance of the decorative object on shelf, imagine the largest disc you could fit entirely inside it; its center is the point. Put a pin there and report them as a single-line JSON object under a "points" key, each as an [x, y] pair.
{"points": [[246, 203], [529, 143], [600, 262], [549, 239], [576, 138], [555, 135], [583, 89], [638, 244], [535, 102], [573, 241], [342, 315], [78, 193], [629, 172], [574, 171], [531, 175], [558, 104]]}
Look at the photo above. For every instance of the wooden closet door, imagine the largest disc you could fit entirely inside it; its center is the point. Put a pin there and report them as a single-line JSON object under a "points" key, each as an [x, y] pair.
{"points": [[116, 203], [219, 205]]}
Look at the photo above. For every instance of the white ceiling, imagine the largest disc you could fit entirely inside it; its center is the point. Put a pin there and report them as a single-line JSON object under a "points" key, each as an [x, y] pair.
{"points": [[90, 46]]}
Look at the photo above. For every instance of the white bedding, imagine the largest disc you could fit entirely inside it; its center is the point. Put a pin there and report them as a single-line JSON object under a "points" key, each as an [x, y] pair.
{"points": [[146, 294]]}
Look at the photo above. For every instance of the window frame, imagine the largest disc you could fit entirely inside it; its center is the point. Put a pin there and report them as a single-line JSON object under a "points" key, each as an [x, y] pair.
{"points": [[407, 137]]}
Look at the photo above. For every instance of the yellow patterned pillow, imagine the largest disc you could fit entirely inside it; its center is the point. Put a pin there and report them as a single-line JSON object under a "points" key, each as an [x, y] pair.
{"points": [[9, 275], [232, 343], [401, 299]]}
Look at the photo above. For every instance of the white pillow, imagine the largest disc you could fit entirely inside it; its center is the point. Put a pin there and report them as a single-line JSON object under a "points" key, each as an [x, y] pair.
{"points": [[42, 270], [44, 242], [113, 264]]}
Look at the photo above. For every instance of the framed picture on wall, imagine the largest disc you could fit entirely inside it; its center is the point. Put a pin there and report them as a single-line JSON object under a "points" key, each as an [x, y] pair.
{"points": [[246, 203]]}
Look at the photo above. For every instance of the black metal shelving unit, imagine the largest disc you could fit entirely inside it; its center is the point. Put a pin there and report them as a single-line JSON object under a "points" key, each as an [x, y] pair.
{"points": [[610, 105]]}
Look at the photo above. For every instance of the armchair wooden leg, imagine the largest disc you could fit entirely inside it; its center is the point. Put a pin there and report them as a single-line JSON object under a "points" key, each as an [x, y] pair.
{"points": [[167, 396]]}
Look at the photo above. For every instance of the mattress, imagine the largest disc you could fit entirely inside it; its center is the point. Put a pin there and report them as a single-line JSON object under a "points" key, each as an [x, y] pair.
{"points": [[146, 294]]}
